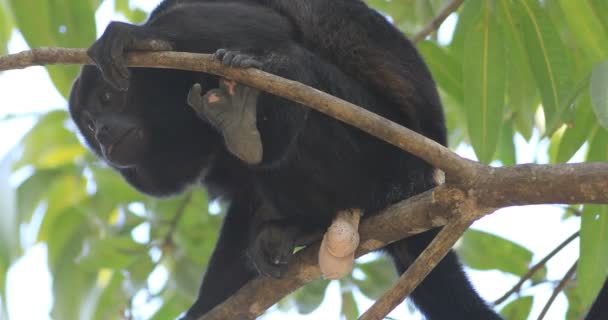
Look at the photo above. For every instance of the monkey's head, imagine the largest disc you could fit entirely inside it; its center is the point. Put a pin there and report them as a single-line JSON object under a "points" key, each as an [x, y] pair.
{"points": [[147, 133]]}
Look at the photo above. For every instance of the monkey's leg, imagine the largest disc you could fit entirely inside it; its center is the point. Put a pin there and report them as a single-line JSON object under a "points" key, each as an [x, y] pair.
{"points": [[231, 109]]}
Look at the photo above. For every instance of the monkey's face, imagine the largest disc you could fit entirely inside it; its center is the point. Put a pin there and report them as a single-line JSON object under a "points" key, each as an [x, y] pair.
{"points": [[147, 133], [111, 132]]}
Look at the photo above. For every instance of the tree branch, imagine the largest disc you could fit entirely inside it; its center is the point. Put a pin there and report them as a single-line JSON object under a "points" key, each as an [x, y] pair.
{"points": [[438, 20], [406, 218], [535, 268], [557, 290], [427, 149], [424, 264]]}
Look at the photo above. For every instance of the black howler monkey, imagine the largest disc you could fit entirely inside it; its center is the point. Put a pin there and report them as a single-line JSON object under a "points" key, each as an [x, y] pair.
{"points": [[312, 166]]}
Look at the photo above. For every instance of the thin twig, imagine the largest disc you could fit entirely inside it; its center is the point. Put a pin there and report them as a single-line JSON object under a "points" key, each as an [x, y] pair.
{"points": [[535, 268], [423, 265], [423, 147], [557, 290], [574, 211], [438, 20]]}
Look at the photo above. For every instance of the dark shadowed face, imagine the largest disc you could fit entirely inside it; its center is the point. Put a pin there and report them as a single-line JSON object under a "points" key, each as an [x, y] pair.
{"points": [[147, 133], [110, 131]]}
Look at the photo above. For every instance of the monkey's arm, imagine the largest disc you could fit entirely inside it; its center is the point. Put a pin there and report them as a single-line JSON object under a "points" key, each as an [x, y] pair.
{"points": [[191, 27]]}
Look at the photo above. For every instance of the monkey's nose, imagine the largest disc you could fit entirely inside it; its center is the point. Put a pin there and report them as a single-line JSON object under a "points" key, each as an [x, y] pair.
{"points": [[102, 134]]}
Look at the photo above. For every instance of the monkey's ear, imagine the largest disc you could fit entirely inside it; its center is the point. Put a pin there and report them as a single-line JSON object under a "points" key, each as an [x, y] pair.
{"points": [[74, 93]]}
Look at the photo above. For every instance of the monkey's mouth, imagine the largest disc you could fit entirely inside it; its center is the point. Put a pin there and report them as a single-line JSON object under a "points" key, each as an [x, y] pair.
{"points": [[126, 150]]}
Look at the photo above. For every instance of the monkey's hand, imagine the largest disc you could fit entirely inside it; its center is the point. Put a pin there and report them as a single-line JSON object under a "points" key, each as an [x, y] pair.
{"points": [[231, 109], [109, 50]]}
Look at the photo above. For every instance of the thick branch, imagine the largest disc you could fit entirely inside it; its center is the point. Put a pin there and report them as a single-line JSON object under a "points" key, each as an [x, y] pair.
{"points": [[406, 218], [537, 184], [427, 149], [492, 188]]}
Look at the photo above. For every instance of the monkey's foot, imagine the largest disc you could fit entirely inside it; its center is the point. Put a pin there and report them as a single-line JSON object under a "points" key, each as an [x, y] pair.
{"points": [[237, 59], [231, 109], [272, 249]]}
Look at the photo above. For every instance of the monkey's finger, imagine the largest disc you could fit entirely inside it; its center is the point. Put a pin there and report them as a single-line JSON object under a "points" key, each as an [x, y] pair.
{"points": [[120, 75], [228, 58], [118, 61], [194, 99], [216, 97], [245, 61], [219, 54], [213, 107]]}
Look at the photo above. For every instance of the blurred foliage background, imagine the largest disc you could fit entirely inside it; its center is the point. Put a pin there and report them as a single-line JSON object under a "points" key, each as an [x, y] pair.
{"points": [[510, 68]]}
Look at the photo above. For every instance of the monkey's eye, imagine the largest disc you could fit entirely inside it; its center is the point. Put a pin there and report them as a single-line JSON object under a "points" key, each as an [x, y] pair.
{"points": [[88, 121], [90, 125], [105, 97]]}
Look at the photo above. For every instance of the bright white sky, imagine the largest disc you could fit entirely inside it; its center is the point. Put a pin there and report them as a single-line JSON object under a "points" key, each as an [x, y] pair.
{"points": [[29, 285]]}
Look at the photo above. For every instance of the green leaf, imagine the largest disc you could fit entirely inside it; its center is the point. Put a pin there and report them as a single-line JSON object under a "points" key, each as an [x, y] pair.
{"points": [[112, 188], [349, 306], [137, 274], [576, 308], [518, 309], [599, 92], [484, 251], [6, 27], [505, 152], [49, 144], [134, 15], [71, 284], [586, 27], [471, 10], [185, 276], [309, 297], [484, 75], [69, 224], [446, 69], [111, 252], [8, 225], [578, 131], [107, 299], [65, 193], [172, 307], [379, 275], [549, 59], [521, 89], [592, 267], [598, 146], [601, 6], [522, 98], [32, 191]]}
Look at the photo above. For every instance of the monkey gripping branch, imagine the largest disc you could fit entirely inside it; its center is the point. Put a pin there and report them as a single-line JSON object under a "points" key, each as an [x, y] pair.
{"points": [[471, 190]]}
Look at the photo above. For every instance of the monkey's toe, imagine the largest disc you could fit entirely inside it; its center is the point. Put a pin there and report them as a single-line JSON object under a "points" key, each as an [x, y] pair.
{"points": [[237, 59]]}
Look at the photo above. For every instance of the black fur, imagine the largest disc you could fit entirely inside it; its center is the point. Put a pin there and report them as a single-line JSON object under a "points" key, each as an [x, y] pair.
{"points": [[599, 309], [313, 166]]}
